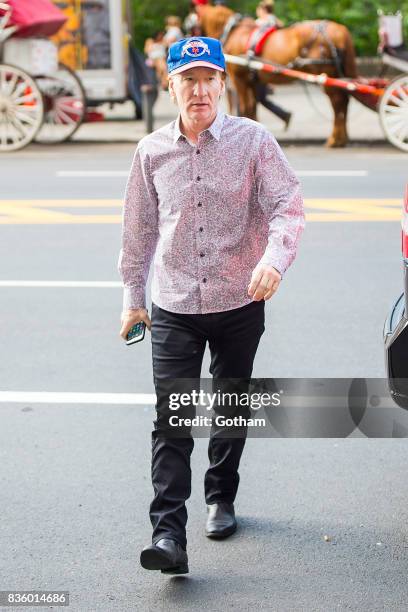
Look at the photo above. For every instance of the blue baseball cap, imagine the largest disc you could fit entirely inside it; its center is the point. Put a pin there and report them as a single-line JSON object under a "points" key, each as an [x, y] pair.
{"points": [[195, 51]]}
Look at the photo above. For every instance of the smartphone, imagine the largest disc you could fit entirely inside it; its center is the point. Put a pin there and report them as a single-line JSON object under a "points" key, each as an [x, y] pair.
{"points": [[136, 333]]}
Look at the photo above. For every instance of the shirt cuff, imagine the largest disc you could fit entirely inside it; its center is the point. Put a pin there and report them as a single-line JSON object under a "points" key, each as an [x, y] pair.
{"points": [[269, 260], [133, 298]]}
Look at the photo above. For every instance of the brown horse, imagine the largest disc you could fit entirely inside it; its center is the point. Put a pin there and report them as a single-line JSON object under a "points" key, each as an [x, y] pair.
{"points": [[314, 40]]}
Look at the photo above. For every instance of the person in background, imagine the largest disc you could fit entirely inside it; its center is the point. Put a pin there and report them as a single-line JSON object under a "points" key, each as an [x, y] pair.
{"points": [[173, 30], [267, 19], [155, 50], [265, 14], [191, 24]]}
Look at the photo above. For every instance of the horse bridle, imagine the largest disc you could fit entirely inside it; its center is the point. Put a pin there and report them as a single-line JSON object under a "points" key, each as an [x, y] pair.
{"points": [[335, 59]]}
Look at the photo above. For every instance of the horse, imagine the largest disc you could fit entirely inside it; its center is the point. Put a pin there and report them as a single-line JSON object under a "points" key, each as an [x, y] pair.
{"points": [[316, 46]]}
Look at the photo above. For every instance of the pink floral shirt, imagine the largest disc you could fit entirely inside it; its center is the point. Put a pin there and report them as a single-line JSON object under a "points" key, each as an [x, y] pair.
{"points": [[206, 215]]}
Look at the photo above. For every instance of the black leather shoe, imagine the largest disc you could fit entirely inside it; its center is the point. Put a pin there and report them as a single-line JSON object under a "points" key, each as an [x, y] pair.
{"points": [[221, 521], [166, 555]]}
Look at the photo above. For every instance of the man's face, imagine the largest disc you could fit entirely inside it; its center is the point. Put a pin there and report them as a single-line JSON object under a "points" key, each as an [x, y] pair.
{"points": [[197, 91]]}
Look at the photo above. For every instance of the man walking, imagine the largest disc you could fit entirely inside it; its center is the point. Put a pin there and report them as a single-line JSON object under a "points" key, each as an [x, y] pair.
{"points": [[212, 200]]}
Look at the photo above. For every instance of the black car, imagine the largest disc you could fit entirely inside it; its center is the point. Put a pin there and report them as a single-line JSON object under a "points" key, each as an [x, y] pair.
{"points": [[396, 330]]}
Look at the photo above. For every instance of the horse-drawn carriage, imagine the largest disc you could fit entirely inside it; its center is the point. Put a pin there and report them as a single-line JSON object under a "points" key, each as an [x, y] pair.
{"points": [[393, 105], [45, 99], [319, 52], [39, 98]]}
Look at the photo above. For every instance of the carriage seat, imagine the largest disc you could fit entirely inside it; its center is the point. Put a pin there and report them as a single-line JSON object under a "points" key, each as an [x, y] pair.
{"points": [[400, 52], [392, 38], [257, 39]]}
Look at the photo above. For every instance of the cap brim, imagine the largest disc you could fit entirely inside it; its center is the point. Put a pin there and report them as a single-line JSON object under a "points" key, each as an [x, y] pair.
{"points": [[196, 64]]}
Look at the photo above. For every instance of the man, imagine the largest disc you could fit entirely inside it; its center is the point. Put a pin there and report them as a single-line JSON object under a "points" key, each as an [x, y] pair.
{"points": [[265, 20], [213, 200]]}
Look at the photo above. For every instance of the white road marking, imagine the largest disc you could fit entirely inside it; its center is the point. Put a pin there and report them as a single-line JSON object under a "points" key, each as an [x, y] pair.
{"points": [[91, 173], [333, 173], [76, 284], [51, 397]]}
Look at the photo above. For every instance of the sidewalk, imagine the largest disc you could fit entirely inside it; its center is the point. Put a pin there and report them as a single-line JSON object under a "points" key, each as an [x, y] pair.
{"points": [[311, 120]]}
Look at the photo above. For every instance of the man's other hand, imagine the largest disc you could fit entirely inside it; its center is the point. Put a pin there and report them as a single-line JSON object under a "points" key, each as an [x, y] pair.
{"points": [[264, 283], [131, 317]]}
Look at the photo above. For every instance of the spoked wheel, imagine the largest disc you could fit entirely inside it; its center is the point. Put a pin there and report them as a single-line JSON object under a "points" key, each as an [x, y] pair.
{"points": [[64, 103], [393, 111], [21, 108]]}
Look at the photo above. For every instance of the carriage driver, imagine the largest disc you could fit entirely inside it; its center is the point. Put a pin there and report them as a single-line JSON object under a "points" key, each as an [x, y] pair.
{"points": [[212, 200]]}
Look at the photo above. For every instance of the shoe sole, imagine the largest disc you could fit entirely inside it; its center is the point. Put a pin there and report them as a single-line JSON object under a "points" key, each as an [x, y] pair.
{"points": [[180, 569], [156, 560], [220, 535]]}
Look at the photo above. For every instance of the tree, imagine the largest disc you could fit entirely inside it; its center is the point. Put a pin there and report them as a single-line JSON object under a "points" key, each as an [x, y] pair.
{"points": [[360, 16]]}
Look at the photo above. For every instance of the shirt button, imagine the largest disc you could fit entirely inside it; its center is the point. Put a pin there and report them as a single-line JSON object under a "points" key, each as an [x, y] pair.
{"points": [[199, 204], [198, 151], [201, 229], [202, 254], [204, 280], [198, 178]]}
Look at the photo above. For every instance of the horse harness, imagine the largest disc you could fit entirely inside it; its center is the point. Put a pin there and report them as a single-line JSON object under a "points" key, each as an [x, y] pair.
{"points": [[301, 60], [232, 23]]}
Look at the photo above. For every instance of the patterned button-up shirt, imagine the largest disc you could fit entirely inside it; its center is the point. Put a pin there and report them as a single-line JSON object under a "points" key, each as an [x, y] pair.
{"points": [[207, 214]]}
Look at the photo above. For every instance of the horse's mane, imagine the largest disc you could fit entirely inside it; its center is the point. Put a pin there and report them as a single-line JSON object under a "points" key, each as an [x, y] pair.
{"points": [[214, 18]]}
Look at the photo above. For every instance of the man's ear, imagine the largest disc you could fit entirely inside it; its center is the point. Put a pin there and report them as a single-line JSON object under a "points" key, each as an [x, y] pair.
{"points": [[171, 89]]}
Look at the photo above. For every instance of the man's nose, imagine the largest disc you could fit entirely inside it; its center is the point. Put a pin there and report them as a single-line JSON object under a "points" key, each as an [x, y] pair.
{"points": [[200, 88]]}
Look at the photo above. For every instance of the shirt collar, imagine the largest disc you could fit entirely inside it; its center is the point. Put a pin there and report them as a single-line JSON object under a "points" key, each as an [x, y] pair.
{"points": [[214, 129]]}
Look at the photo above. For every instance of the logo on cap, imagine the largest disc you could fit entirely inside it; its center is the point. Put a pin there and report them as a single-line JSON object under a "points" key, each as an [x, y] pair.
{"points": [[195, 48]]}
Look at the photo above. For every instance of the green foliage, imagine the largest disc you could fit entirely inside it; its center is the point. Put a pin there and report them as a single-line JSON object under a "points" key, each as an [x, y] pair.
{"points": [[148, 16], [360, 16]]}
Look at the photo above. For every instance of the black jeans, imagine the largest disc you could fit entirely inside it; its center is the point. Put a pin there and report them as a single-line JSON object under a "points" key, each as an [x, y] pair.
{"points": [[178, 344]]}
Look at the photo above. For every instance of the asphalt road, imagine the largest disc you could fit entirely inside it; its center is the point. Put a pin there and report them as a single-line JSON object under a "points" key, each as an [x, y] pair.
{"points": [[75, 476]]}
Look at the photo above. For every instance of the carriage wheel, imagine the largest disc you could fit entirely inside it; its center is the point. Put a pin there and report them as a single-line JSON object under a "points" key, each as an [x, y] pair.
{"points": [[21, 108], [393, 111], [64, 103]]}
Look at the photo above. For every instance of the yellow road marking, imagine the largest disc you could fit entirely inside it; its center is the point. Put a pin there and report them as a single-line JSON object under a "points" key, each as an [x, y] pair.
{"points": [[353, 209], [64, 203], [330, 210], [32, 212]]}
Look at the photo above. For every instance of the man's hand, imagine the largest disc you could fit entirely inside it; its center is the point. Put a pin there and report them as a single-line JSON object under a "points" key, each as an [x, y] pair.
{"points": [[265, 281], [131, 317]]}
